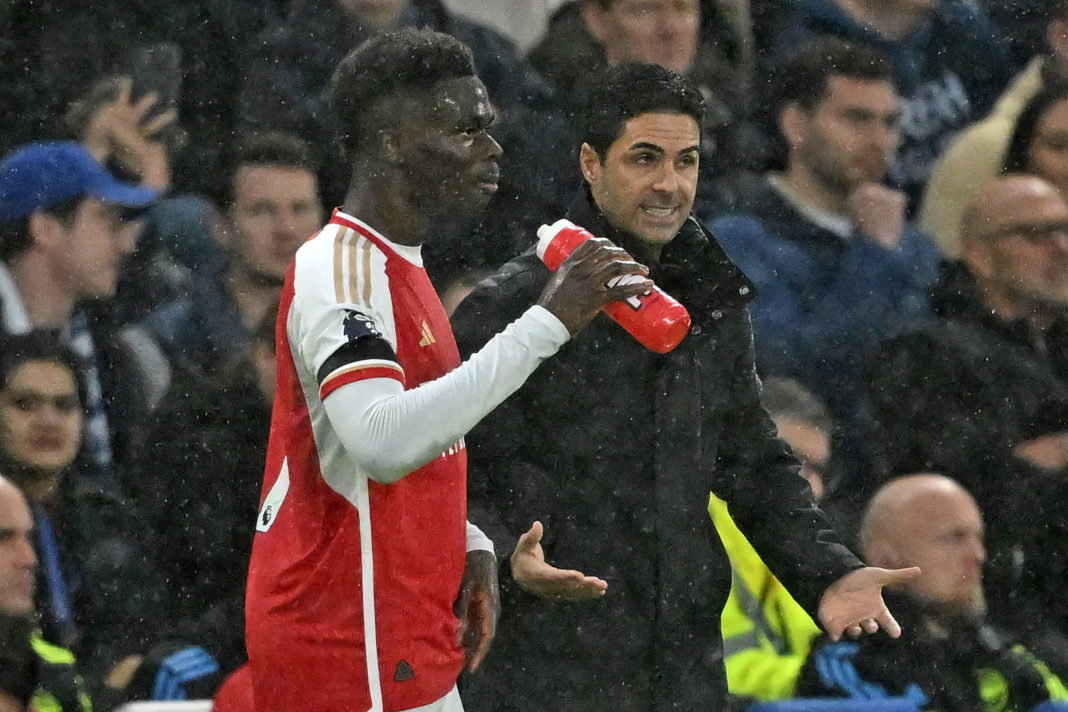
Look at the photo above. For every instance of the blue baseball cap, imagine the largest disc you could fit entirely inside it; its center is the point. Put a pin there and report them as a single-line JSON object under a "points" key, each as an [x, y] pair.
{"points": [[40, 175]]}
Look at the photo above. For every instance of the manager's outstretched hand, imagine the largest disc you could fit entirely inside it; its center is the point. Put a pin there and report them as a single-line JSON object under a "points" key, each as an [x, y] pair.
{"points": [[854, 603], [535, 575]]}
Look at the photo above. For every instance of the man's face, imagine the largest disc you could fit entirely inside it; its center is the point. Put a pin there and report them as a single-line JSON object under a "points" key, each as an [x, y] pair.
{"points": [[381, 14], [1048, 154], [448, 155], [41, 417], [811, 446], [17, 558], [91, 248], [849, 137], [1024, 254], [275, 209], [660, 32], [942, 533], [647, 180]]}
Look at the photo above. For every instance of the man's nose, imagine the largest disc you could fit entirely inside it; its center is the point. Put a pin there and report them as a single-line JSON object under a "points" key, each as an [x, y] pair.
{"points": [[668, 178]]}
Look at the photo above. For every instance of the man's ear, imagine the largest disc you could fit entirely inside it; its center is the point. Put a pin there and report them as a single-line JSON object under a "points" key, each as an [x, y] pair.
{"points": [[593, 15], [46, 230], [589, 162], [792, 121]]}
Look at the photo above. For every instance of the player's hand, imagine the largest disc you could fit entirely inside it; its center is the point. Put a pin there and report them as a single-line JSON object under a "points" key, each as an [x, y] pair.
{"points": [[579, 287], [854, 603], [478, 607], [534, 575]]}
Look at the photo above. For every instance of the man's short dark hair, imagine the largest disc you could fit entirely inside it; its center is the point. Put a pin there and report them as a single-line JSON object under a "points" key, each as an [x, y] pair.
{"points": [[268, 148], [787, 399], [803, 79], [631, 89], [15, 237], [385, 66]]}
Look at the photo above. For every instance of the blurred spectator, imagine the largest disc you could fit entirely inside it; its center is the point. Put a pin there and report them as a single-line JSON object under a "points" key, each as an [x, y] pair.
{"points": [[270, 201], [34, 674], [979, 152], [693, 37], [948, 658], [54, 51], [95, 585], [981, 391], [950, 62], [836, 263], [523, 21], [65, 226], [766, 633], [1039, 143], [137, 139], [284, 89], [198, 485]]}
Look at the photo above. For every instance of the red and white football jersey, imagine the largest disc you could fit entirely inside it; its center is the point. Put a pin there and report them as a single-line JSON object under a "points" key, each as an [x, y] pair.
{"points": [[352, 582]]}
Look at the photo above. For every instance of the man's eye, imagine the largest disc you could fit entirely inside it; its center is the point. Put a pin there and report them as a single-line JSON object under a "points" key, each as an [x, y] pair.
{"points": [[27, 403]]}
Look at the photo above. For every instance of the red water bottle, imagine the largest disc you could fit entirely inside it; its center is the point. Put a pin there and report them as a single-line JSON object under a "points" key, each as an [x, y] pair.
{"points": [[654, 318]]}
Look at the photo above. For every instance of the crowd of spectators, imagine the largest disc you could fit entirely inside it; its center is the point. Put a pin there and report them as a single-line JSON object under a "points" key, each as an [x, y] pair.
{"points": [[891, 176]]}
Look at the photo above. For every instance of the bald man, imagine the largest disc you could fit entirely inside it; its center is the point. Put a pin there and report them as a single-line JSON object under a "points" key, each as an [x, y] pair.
{"points": [[980, 393], [948, 658], [34, 675]]}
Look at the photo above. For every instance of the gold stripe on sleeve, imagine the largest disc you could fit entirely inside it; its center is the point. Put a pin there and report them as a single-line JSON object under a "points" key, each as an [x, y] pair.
{"points": [[366, 272], [339, 264]]}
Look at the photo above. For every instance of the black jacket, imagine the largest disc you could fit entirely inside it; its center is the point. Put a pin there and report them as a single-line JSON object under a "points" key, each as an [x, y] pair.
{"points": [[615, 449], [939, 671], [200, 477]]}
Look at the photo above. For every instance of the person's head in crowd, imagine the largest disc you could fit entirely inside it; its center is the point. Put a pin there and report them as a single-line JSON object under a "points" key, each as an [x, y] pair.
{"points": [[838, 110], [270, 200], [804, 423], [930, 521], [18, 562], [41, 411], [641, 137], [376, 14], [1014, 239], [1039, 141], [1055, 20], [66, 222], [664, 32], [413, 117]]}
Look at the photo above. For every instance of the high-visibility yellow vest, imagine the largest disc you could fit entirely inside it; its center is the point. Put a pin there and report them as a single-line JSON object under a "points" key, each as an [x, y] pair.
{"points": [[58, 681], [766, 633]]}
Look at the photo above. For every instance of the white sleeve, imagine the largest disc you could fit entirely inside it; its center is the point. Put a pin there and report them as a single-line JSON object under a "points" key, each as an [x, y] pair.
{"points": [[390, 432], [477, 540]]}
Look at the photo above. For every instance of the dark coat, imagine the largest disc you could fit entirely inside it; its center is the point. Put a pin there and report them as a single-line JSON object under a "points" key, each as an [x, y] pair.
{"points": [[955, 394], [200, 478], [940, 673], [615, 449]]}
